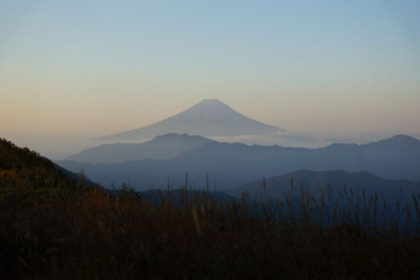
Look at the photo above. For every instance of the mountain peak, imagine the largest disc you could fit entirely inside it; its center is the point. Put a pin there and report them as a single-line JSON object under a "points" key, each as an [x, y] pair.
{"points": [[210, 109], [211, 101], [400, 138], [213, 104], [208, 118]]}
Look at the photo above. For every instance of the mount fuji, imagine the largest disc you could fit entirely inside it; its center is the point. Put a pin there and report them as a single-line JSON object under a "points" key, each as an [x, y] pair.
{"points": [[209, 118]]}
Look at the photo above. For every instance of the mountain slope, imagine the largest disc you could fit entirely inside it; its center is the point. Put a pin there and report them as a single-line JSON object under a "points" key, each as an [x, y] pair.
{"points": [[210, 117], [21, 169], [162, 147]]}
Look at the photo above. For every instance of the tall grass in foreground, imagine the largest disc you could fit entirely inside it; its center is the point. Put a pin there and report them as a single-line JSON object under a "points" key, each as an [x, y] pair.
{"points": [[86, 233], [335, 207]]}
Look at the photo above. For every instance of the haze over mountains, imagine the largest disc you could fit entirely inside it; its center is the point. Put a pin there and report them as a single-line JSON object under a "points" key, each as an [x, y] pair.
{"points": [[232, 165], [208, 118], [162, 147], [174, 152]]}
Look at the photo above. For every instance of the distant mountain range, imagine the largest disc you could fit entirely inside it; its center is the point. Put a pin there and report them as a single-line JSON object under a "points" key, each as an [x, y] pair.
{"points": [[162, 147], [396, 146], [208, 118], [337, 179], [232, 165], [22, 164]]}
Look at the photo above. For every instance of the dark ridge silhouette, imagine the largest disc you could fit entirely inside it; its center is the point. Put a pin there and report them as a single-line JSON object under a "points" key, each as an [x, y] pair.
{"points": [[21, 166]]}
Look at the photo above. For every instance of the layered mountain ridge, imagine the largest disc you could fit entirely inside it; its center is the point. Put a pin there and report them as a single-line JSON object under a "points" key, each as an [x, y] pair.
{"points": [[231, 165]]}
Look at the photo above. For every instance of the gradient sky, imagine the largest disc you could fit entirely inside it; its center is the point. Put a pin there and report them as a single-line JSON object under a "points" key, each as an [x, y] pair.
{"points": [[330, 69]]}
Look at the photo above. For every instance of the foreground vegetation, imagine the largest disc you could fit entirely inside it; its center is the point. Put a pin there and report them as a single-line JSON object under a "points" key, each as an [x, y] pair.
{"points": [[53, 226]]}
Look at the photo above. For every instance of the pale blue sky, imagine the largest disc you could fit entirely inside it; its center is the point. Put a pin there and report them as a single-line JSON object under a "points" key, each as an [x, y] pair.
{"points": [[323, 68]]}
